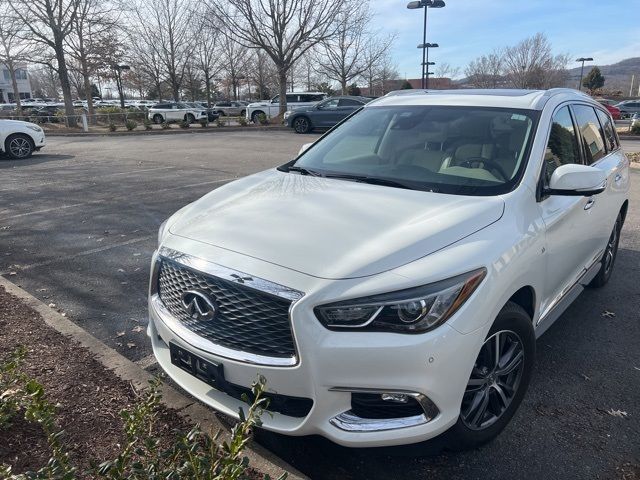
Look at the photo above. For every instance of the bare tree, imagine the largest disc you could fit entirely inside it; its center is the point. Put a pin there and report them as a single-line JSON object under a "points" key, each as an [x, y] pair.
{"points": [[380, 71], [532, 64], [165, 26], [145, 61], [235, 58], [486, 71], [44, 81], [284, 29], [263, 73], [353, 48], [93, 42], [50, 22], [445, 70], [13, 48], [206, 52]]}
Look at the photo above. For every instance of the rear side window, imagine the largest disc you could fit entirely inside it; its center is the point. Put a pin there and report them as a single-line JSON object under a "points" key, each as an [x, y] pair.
{"points": [[609, 132], [563, 143], [162, 105], [292, 99], [592, 138], [349, 102], [312, 97]]}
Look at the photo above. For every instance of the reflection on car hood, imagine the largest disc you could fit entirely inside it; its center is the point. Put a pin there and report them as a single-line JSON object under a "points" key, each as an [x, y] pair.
{"points": [[16, 123], [332, 228]]}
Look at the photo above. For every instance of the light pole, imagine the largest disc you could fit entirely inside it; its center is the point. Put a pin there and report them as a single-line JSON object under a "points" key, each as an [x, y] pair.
{"points": [[426, 74], [118, 69], [582, 59], [426, 4]]}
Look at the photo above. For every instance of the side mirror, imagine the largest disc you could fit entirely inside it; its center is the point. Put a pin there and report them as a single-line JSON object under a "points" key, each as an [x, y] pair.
{"points": [[304, 147], [577, 180]]}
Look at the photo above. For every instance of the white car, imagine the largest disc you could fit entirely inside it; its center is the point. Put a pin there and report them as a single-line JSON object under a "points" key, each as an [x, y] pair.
{"points": [[176, 112], [18, 139], [390, 282], [271, 108]]}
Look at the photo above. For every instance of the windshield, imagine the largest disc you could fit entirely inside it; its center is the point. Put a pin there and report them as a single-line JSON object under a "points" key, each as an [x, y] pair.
{"points": [[460, 150]]}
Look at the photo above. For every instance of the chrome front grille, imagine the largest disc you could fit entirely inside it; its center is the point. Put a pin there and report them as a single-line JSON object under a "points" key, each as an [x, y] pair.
{"points": [[247, 319]]}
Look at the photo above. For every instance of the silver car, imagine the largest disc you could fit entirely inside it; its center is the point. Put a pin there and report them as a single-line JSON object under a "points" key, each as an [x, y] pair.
{"points": [[232, 109]]}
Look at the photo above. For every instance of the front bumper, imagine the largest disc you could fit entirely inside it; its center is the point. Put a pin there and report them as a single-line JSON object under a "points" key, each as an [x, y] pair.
{"points": [[431, 367]]}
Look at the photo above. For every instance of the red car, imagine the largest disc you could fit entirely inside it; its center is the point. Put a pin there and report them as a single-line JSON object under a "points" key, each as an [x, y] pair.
{"points": [[614, 111]]}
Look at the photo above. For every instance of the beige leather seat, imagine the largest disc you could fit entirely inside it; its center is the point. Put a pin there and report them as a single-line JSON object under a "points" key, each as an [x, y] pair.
{"points": [[429, 159]]}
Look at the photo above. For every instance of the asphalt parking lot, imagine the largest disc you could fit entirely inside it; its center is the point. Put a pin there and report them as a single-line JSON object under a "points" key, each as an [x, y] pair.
{"points": [[78, 225]]}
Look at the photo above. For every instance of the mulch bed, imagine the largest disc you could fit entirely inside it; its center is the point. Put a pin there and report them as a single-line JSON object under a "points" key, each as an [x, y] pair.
{"points": [[90, 397]]}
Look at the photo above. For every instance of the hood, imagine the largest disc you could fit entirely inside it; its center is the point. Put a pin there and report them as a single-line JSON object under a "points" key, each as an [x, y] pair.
{"points": [[18, 123], [331, 228]]}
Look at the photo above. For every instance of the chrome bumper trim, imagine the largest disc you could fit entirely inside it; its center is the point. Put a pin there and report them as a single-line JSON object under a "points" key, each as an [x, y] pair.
{"points": [[350, 422]]}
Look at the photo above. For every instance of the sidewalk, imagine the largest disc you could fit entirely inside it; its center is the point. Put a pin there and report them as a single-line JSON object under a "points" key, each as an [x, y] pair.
{"points": [[91, 384]]}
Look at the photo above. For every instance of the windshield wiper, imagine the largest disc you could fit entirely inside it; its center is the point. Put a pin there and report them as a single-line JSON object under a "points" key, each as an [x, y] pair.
{"points": [[371, 180], [302, 170]]}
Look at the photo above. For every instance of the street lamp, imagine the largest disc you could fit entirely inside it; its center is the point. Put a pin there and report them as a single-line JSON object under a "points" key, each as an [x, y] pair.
{"points": [[426, 4], [582, 59], [118, 69]]}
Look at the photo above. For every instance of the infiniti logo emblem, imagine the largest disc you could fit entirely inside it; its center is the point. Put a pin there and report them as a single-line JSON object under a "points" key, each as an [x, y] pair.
{"points": [[199, 306]]}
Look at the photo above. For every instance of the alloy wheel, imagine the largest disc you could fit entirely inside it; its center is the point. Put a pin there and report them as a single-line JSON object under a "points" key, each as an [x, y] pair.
{"points": [[494, 381], [301, 125], [19, 147]]}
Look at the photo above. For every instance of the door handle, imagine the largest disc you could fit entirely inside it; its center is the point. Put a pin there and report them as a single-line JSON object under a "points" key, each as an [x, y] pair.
{"points": [[590, 203]]}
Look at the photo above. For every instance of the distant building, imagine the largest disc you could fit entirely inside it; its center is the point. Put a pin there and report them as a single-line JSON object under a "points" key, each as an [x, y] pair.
{"points": [[6, 87]]}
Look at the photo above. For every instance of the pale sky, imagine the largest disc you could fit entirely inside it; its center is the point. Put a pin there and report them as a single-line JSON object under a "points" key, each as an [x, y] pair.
{"points": [[607, 30]]}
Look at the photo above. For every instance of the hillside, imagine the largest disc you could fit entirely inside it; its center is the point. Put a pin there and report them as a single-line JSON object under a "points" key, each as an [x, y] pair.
{"points": [[617, 75]]}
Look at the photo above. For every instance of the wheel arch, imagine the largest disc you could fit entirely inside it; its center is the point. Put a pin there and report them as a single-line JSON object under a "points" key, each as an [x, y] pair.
{"points": [[624, 209], [525, 297]]}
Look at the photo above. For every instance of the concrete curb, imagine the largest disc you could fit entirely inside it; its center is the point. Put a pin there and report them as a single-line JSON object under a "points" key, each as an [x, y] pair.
{"points": [[260, 458], [172, 131]]}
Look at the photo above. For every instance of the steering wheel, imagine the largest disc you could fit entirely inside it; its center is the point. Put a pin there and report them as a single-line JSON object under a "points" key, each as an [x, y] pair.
{"points": [[469, 163]]}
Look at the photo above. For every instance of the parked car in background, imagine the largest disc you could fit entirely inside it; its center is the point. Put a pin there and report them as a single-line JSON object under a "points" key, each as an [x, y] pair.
{"points": [[614, 111], [390, 281], [176, 112], [324, 114], [212, 116], [232, 109], [635, 120], [18, 139], [628, 108], [48, 113], [271, 108]]}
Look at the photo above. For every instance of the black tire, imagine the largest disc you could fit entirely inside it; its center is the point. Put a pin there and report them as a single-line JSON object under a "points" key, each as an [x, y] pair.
{"points": [[18, 146], [503, 392], [158, 119], [255, 115], [221, 113], [243, 113], [609, 257], [190, 118], [302, 124]]}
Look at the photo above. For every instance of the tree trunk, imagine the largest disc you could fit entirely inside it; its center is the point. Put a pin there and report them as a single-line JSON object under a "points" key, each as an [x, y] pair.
{"points": [[88, 91], [207, 86], [14, 84], [282, 79], [343, 84], [63, 73]]}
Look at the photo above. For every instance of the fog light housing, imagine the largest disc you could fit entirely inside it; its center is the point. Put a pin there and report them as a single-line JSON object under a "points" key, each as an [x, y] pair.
{"points": [[395, 397]]}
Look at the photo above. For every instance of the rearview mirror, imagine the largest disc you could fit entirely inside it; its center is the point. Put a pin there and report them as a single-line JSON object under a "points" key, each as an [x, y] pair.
{"points": [[578, 180]]}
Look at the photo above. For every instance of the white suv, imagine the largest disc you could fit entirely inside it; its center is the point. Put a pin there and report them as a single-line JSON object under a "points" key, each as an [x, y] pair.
{"points": [[390, 282], [271, 108], [176, 112], [18, 139]]}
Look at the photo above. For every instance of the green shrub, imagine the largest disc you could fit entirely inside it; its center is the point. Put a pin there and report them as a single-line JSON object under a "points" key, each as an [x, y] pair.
{"points": [[110, 110], [193, 455], [220, 122], [147, 124], [165, 125], [262, 119], [112, 127], [242, 121], [204, 122], [131, 124], [184, 124]]}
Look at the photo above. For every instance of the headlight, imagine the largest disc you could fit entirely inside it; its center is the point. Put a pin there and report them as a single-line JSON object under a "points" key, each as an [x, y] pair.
{"points": [[287, 114], [414, 310], [35, 128], [163, 225]]}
